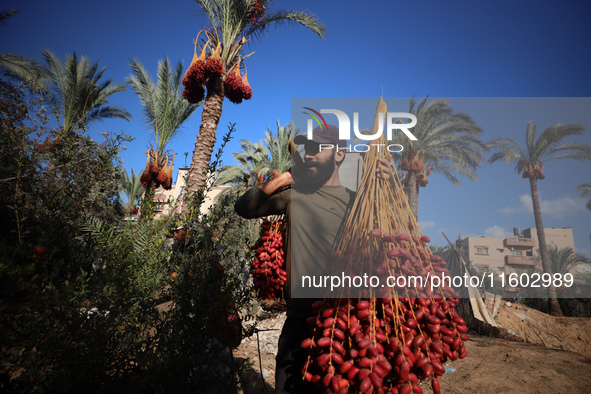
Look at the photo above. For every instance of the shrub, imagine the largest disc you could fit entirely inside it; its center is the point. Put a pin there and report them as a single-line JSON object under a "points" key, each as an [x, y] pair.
{"points": [[89, 302]]}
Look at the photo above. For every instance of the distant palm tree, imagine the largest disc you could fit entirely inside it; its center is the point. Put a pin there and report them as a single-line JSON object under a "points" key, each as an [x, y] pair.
{"points": [[76, 93], [24, 68], [447, 143], [530, 162], [585, 190], [252, 168], [565, 259], [132, 189], [232, 24], [278, 145], [165, 111]]}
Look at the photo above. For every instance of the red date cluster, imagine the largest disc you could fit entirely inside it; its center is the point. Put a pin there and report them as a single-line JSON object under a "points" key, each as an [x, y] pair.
{"points": [[401, 255], [382, 345], [386, 342], [267, 268]]}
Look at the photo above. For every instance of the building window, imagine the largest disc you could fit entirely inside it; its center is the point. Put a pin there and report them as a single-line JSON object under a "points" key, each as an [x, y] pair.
{"points": [[517, 253], [481, 250], [159, 207]]}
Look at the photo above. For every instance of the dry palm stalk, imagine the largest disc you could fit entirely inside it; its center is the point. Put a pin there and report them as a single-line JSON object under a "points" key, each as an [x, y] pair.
{"points": [[381, 340]]}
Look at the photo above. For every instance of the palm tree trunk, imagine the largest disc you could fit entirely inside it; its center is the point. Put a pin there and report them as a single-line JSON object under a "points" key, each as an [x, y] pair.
{"points": [[412, 193], [212, 111], [553, 305]]}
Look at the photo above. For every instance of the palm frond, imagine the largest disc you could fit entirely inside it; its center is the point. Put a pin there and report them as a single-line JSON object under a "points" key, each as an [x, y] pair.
{"points": [[283, 17], [6, 15], [164, 108], [28, 70], [76, 93], [584, 189]]}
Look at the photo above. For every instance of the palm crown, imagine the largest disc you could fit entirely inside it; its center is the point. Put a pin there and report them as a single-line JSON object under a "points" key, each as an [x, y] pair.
{"points": [[530, 159], [447, 143], [217, 64], [165, 113], [76, 93]]}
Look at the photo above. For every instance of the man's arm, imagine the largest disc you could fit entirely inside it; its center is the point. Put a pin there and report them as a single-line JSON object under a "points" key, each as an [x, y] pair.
{"points": [[264, 199]]}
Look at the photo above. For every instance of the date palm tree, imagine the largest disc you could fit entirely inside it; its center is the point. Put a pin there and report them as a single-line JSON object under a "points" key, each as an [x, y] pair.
{"points": [[24, 68], [253, 163], [447, 143], [165, 112], [585, 190], [563, 260], [232, 24], [76, 93], [529, 162], [131, 188], [278, 145]]}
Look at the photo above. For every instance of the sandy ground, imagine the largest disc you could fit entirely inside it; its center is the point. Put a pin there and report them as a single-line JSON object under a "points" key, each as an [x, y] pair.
{"points": [[531, 353]]}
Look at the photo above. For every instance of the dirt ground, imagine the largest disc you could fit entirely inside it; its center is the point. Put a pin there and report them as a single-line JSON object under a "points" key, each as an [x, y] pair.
{"points": [[531, 353]]}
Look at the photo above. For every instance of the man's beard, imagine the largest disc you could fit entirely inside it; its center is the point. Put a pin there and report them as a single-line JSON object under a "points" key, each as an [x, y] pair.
{"points": [[312, 180]]}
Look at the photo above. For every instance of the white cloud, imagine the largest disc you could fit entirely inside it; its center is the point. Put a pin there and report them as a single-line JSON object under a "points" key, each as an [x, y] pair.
{"points": [[558, 208], [509, 211], [584, 252], [426, 224], [497, 232]]}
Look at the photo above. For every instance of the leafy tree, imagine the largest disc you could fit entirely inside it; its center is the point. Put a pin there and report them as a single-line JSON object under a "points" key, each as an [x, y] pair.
{"points": [[447, 143], [76, 93], [585, 190], [165, 112], [28, 70], [232, 24], [530, 161]]}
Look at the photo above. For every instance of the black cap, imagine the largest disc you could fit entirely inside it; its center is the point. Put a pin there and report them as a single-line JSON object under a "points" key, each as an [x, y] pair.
{"points": [[322, 136]]}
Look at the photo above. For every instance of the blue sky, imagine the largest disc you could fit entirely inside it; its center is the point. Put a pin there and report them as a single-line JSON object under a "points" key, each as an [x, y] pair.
{"points": [[450, 49]]}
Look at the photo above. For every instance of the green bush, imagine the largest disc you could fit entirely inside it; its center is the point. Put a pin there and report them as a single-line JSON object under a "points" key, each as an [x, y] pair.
{"points": [[90, 302]]}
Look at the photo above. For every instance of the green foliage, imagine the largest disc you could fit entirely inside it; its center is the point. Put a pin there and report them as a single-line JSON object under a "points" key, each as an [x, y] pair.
{"points": [[278, 145], [76, 93], [253, 164], [541, 148], [132, 189], [25, 69], [585, 190], [90, 302], [447, 142], [164, 108], [258, 160]]}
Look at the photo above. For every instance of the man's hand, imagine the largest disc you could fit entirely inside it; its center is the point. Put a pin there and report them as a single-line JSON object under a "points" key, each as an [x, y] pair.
{"points": [[279, 182], [383, 169]]}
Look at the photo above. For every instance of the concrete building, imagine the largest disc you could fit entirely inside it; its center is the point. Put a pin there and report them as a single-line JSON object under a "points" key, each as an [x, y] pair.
{"points": [[513, 254]]}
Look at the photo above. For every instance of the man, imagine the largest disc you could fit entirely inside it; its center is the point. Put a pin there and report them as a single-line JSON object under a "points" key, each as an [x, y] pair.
{"points": [[182, 239], [315, 204]]}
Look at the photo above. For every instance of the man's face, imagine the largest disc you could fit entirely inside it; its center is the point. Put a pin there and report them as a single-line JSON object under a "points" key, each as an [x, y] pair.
{"points": [[320, 164], [180, 235]]}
